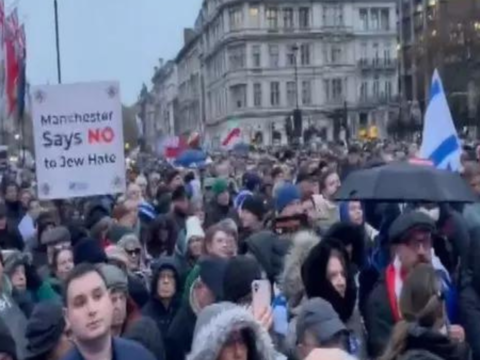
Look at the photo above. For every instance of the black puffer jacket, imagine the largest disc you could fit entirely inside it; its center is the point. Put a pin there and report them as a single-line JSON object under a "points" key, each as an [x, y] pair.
{"points": [[469, 302], [154, 308], [425, 344]]}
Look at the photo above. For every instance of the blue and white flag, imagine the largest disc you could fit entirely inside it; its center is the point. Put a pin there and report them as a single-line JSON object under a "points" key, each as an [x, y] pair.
{"points": [[440, 143]]}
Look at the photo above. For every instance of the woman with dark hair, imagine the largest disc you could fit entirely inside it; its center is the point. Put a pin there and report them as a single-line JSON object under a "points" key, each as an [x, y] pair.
{"points": [[423, 332], [327, 273], [162, 237], [61, 266]]}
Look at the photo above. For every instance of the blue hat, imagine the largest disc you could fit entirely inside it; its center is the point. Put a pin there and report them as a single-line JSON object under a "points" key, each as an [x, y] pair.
{"points": [[286, 195]]}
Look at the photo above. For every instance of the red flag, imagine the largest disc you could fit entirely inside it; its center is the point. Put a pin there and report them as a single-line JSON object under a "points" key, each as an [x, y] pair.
{"points": [[232, 135]]}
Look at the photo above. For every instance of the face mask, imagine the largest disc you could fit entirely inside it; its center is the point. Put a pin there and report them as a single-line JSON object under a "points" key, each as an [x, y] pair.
{"points": [[434, 213]]}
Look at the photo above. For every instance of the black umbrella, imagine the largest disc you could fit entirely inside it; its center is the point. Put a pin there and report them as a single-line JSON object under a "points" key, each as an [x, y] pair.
{"points": [[405, 182]]}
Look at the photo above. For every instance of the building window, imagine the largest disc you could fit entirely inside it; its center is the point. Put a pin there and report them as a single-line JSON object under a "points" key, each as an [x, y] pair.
{"points": [[363, 19], [304, 17], [388, 89], [257, 94], [275, 93], [363, 53], [238, 94], [338, 15], [376, 54], [237, 57], [274, 56], [364, 90], [306, 92], [336, 54], [291, 60], [288, 18], [254, 16], [337, 89], [256, 56], [272, 18], [385, 19], [305, 54], [325, 16], [291, 96], [375, 21], [386, 54], [236, 18], [376, 87]]}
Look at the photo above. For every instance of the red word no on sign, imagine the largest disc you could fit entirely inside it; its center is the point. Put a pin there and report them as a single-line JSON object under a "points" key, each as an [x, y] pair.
{"points": [[102, 135]]}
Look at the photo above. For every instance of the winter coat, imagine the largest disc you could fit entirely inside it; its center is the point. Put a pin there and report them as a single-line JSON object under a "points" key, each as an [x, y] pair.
{"points": [[426, 344], [145, 332], [154, 308], [122, 349], [291, 283], [216, 213], [269, 250], [378, 319], [12, 316], [217, 322], [469, 301], [180, 335], [10, 238], [314, 275]]}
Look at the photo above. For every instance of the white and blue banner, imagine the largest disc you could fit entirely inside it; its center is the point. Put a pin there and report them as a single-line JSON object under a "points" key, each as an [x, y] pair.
{"points": [[440, 143]]}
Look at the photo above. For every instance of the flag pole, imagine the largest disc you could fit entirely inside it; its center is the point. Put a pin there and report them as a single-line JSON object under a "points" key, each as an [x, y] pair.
{"points": [[57, 39]]}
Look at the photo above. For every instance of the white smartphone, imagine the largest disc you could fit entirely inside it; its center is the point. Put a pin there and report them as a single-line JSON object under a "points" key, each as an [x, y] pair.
{"points": [[261, 295]]}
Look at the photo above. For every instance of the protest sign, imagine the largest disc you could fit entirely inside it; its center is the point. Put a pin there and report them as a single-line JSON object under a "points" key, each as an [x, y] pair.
{"points": [[78, 136]]}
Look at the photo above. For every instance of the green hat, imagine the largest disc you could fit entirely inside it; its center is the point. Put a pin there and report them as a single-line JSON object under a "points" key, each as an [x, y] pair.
{"points": [[219, 186]]}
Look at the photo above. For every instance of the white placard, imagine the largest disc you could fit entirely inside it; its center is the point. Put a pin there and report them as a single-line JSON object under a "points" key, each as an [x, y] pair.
{"points": [[78, 137]]}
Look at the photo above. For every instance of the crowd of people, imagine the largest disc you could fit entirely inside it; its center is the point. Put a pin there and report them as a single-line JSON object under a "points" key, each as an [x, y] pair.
{"points": [[167, 270]]}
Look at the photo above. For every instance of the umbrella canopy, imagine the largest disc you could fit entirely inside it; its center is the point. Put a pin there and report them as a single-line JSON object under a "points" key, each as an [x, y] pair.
{"points": [[405, 182], [190, 158]]}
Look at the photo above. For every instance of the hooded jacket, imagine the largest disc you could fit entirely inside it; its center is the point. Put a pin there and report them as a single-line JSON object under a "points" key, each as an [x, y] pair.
{"points": [[12, 316], [154, 308], [216, 323], [182, 257]]}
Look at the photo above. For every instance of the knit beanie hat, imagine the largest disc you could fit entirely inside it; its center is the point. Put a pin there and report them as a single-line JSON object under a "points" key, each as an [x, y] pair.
{"points": [[254, 205], [59, 234], [286, 195], [89, 251], [219, 186], [115, 278], [241, 271]]}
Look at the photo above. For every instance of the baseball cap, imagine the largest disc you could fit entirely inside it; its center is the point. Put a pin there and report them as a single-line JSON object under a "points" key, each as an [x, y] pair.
{"points": [[318, 317]]}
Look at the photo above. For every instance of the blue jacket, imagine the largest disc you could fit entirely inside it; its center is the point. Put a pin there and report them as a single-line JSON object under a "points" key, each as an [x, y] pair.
{"points": [[123, 349]]}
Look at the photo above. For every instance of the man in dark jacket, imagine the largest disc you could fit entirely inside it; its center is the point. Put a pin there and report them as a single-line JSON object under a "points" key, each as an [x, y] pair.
{"points": [[90, 324], [411, 234], [164, 294], [221, 206], [205, 291], [10, 237]]}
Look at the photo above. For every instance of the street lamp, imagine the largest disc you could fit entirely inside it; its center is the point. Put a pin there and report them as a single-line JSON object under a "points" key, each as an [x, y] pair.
{"points": [[17, 137], [295, 52], [57, 40]]}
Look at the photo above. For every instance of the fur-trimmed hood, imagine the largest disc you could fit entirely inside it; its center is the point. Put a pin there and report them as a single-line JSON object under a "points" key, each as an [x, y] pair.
{"points": [[214, 326], [291, 282]]}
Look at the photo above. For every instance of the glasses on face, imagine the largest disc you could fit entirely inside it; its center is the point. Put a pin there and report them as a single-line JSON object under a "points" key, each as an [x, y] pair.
{"points": [[418, 241], [134, 252]]}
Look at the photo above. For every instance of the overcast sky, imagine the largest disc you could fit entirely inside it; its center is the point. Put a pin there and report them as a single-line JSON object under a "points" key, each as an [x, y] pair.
{"points": [[104, 39]]}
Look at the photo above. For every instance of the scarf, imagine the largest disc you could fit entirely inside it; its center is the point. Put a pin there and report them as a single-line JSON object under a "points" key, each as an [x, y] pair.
{"points": [[395, 277]]}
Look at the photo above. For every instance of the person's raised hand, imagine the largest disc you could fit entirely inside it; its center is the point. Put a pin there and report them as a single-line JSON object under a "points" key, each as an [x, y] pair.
{"points": [[456, 333], [264, 317]]}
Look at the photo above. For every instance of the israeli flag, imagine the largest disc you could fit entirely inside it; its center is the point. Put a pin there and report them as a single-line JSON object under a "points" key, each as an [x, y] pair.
{"points": [[440, 143]]}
